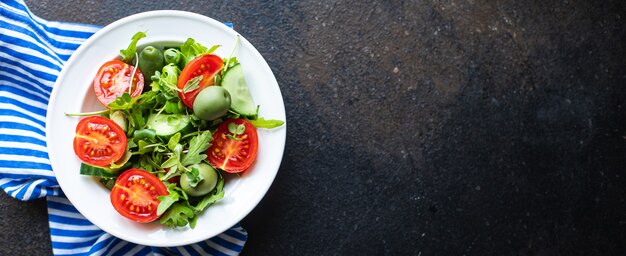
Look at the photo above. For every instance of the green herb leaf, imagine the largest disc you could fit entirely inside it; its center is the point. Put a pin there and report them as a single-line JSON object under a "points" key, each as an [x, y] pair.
{"points": [[197, 145], [129, 53], [232, 128], [264, 123], [241, 128], [211, 198], [171, 162], [172, 172], [145, 147], [173, 141], [193, 221], [168, 200], [213, 48], [231, 58], [194, 176], [178, 215], [191, 49], [235, 130], [192, 84]]}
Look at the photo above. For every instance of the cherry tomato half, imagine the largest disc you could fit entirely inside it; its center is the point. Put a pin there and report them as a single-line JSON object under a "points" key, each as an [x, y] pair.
{"points": [[233, 155], [99, 141], [206, 65], [135, 195], [113, 79]]}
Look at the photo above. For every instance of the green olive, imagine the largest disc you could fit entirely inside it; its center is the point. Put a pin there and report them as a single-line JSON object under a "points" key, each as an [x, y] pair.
{"points": [[150, 60], [206, 185], [211, 103]]}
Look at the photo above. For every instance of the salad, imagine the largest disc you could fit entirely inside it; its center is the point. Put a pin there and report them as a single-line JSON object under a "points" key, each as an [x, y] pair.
{"points": [[177, 120]]}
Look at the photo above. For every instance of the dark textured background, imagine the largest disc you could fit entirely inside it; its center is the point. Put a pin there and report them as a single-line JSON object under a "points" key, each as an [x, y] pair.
{"points": [[423, 127]]}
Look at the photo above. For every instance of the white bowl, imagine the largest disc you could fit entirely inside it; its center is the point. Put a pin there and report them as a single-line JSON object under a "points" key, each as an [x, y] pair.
{"points": [[73, 93]]}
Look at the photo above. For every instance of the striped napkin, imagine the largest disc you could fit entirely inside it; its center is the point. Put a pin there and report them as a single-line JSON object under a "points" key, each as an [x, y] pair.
{"points": [[32, 52]]}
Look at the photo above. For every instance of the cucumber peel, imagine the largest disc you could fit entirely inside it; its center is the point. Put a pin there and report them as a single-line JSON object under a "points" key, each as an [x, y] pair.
{"points": [[241, 100]]}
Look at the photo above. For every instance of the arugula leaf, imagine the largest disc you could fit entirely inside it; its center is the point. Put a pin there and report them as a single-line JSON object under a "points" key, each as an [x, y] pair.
{"points": [[264, 123], [211, 198], [197, 145], [144, 147], [169, 163], [168, 200], [192, 84], [174, 106], [191, 49], [178, 215], [171, 144], [193, 221], [173, 171], [129, 53]]}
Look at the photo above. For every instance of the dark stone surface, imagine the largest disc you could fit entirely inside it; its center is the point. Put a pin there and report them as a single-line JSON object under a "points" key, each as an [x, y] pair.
{"points": [[424, 127]]}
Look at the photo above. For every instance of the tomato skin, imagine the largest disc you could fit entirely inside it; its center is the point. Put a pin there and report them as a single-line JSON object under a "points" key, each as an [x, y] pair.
{"points": [[113, 79], [231, 155], [135, 195], [206, 65], [99, 141]]}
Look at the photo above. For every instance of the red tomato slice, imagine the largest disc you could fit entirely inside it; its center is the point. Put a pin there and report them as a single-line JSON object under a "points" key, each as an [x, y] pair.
{"points": [[206, 65], [135, 194], [99, 141], [233, 155], [113, 79]]}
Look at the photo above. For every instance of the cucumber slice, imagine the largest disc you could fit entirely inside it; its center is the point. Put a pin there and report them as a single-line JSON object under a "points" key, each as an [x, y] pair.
{"points": [[91, 170], [240, 99], [166, 125]]}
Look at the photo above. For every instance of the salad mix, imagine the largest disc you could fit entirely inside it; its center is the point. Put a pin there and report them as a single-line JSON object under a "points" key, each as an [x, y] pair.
{"points": [[177, 120]]}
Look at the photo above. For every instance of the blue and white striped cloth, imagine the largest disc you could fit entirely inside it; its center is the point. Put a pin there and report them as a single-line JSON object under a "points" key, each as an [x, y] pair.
{"points": [[32, 52]]}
